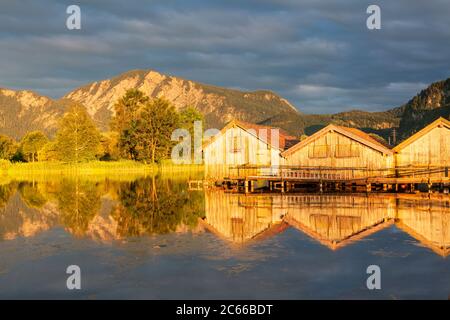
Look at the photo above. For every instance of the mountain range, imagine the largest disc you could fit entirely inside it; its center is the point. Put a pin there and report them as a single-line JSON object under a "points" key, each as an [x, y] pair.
{"points": [[23, 110]]}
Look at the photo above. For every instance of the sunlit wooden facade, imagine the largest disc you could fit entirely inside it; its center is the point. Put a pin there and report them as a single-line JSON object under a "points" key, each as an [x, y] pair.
{"points": [[242, 143], [428, 149], [346, 152]]}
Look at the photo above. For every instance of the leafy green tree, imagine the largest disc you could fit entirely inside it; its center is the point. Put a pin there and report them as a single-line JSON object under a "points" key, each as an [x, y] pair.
{"points": [[32, 143], [49, 152], [188, 117], [8, 147], [128, 142], [77, 139], [153, 129], [109, 141], [126, 111]]}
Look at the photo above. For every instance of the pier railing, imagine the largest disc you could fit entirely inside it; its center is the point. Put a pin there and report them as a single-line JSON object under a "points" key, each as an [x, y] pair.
{"points": [[337, 173]]}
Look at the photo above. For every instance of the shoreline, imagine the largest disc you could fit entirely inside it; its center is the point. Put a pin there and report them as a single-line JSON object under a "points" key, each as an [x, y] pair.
{"points": [[117, 170]]}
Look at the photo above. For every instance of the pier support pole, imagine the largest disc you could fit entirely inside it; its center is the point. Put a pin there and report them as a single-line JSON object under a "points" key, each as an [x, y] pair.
{"points": [[385, 187], [430, 185], [246, 183], [320, 187], [369, 187], [252, 186]]}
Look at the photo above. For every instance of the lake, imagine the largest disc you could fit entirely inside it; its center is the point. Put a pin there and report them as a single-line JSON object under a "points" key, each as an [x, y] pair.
{"points": [[153, 238]]}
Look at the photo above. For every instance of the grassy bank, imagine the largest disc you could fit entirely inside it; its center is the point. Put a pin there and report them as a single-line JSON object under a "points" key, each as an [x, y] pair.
{"points": [[109, 169]]}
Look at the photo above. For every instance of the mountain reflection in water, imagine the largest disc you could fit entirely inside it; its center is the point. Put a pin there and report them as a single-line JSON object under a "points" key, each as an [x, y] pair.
{"points": [[113, 210]]}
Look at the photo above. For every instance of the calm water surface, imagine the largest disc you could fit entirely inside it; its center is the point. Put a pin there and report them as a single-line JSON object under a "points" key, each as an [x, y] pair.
{"points": [[154, 238]]}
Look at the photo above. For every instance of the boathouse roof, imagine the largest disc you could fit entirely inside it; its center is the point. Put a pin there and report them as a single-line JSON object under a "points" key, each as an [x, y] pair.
{"points": [[437, 123], [351, 133], [285, 139]]}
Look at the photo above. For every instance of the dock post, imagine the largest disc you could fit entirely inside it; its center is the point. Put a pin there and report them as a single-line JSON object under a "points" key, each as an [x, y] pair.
{"points": [[320, 187], [385, 187], [430, 185], [246, 182], [369, 187], [252, 186]]}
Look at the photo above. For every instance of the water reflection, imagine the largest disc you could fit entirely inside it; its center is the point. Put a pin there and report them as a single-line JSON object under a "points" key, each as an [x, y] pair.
{"points": [[336, 221], [427, 221], [100, 210], [240, 218], [116, 210]]}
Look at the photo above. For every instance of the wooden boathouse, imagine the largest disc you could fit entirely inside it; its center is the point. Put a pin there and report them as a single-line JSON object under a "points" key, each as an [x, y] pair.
{"points": [[338, 158], [241, 143], [353, 152], [426, 154]]}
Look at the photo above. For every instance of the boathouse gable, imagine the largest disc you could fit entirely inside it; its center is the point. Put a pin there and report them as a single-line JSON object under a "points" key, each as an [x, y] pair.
{"points": [[429, 147], [339, 147], [241, 143]]}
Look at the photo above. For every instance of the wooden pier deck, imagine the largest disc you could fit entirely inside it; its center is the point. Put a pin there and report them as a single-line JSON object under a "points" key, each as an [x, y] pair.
{"points": [[286, 178]]}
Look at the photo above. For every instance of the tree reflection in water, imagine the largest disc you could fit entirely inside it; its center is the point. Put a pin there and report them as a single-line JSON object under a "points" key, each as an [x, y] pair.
{"points": [[6, 191], [78, 203], [108, 210], [156, 206], [32, 194], [147, 206]]}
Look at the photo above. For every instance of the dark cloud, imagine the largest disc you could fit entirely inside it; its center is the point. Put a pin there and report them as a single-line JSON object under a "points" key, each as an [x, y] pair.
{"points": [[318, 54]]}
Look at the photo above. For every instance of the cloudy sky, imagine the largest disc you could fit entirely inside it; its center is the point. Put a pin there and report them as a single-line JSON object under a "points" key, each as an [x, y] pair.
{"points": [[318, 54]]}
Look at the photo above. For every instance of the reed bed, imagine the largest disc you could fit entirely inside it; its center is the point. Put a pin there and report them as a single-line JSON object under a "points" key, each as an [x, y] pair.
{"points": [[95, 170]]}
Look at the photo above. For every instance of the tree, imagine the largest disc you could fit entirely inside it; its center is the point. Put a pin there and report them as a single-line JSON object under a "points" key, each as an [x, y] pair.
{"points": [[8, 147], [49, 152], [153, 129], [188, 117], [32, 143], [109, 142], [77, 139], [126, 111]]}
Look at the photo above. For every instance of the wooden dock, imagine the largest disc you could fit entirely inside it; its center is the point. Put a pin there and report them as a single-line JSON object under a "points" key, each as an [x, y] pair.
{"points": [[324, 179]]}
